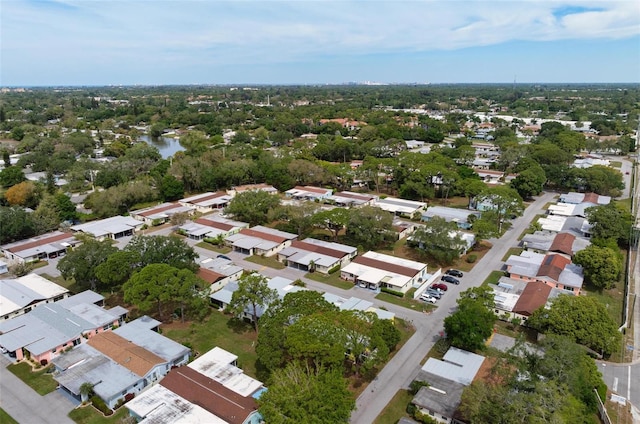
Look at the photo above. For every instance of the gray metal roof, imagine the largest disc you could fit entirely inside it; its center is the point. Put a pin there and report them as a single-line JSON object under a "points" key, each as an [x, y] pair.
{"points": [[28, 331], [442, 396], [94, 314], [87, 296], [139, 333], [457, 365], [450, 214], [85, 364], [62, 319], [16, 293]]}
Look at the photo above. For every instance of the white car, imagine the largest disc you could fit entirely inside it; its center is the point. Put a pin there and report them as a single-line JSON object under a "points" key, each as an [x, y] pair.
{"points": [[428, 298]]}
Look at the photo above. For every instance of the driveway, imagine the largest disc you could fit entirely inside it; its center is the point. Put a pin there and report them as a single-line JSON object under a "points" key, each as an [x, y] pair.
{"points": [[26, 406]]}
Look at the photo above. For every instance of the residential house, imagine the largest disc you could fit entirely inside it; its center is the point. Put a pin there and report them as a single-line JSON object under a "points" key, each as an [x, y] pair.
{"points": [[316, 255], [350, 199], [207, 202], [519, 299], [376, 270], [110, 228], [212, 226], [403, 228], [400, 207], [160, 214], [554, 270], [462, 217], [308, 193], [589, 161], [46, 246], [490, 176], [219, 272], [577, 198], [260, 240], [20, 295], [549, 241], [46, 331], [267, 188], [575, 225], [447, 379], [4, 267]]}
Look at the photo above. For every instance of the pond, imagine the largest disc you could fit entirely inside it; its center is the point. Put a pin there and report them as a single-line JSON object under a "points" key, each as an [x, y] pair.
{"points": [[167, 146]]}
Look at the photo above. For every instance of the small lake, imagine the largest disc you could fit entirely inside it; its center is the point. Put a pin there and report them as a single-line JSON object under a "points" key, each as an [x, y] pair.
{"points": [[167, 146]]}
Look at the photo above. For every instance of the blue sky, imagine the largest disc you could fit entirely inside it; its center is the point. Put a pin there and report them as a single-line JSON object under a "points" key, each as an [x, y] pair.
{"points": [[99, 42]]}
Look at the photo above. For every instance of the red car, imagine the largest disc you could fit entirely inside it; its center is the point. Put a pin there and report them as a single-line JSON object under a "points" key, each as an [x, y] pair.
{"points": [[440, 286]]}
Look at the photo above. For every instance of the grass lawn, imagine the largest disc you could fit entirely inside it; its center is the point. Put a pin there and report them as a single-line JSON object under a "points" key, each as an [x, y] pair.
{"points": [[615, 164], [220, 330], [90, 415], [408, 303], [493, 278], [512, 251], [533, 226], [330, 279], [395, 409], [264, 261], [6, 418], [214, 248], [40, 380]]}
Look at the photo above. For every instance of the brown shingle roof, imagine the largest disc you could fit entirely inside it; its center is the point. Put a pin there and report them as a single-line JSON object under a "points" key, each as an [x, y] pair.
{"points": [[209, 276], [552, 266], [209, 394], [363, 197], [591, 198], [309, 247], [386, 266], [534, 296], [160, 209], [128, 354], [40, 242], [209, 197], [214, 224], [259, 234], [312, 189], [563, 243]]}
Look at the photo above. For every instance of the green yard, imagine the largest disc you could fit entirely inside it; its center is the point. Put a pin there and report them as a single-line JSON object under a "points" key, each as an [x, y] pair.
{"points": [[395, 409], [512, 251], [264, 261], [213, 247], [90, 415], [220, 330], [40, 380], [493, 278], [405, 302], [6, 418], [69, 284], [330, 279]]}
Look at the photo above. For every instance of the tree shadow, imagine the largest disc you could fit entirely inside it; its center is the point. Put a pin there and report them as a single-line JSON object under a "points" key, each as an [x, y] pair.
{"points": [[239, 326]]}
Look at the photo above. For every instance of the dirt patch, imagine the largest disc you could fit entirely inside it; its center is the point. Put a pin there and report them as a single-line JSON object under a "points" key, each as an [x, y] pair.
{"points": [[176, 325]]}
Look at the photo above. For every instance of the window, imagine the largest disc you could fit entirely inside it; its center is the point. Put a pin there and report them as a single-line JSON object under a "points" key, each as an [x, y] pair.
{"points": [[106, 327], [54, 350]]}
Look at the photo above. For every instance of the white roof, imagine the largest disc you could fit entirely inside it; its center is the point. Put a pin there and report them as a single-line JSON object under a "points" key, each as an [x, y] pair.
{"points": [[217, 364], [395, 205], [418, 266], [113, 225], [247, 242], [457, 365], [331, 245], [22, 291], [159, 405]]}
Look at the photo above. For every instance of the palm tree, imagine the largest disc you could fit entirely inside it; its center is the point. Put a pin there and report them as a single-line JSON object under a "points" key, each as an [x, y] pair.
{"points": [[86, 389]]}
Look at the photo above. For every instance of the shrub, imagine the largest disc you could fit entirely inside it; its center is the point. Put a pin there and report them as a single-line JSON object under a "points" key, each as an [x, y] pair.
{"points": [[99, 404], [334, 269], [43, 362], [129, 396], [416, 385], [393, 292], [472, 258], [424, 418], [411, 409]]}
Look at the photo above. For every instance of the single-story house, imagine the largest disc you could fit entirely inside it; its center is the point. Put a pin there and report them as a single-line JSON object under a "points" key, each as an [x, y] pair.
{"points": [[519, 299], [490, 176], [376, 270], [20, 295], [212, 226], [110, 228], [160, 214], [577, 198], [49, 329], [260, 240], [553, 269], [400, 207], [570, 209], [462, 217], [207, 202], [351, 199], [357, 304], [46, 246], [308, 193], [316, 255], [589, 161], [219, 272], [252, 187], [469, 240], [447, 379], [549, 241], [575, 225]]}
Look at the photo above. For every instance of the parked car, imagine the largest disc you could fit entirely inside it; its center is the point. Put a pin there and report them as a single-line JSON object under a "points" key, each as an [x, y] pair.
{"points": [[224, 257], [455, 273], [440, 286], [450, 279], [433, 293], [429, 299]]}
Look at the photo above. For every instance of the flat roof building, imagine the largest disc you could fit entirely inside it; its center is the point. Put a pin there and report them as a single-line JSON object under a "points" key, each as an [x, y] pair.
{"points": [[376, 270], [20, 295], [46, 246], [110, 228]]}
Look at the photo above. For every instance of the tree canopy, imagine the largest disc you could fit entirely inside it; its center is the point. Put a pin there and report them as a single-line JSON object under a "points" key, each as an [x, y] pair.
{"points": [[439, 239], [253, 293], [81, 262], [472, 323], [252, 206], [602, 265]]}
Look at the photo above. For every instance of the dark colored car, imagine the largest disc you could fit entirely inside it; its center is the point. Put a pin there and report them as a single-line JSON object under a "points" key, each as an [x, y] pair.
{"points": [[450, 279], [433, 293], [454, 272], [224, 257], [440, 286]]}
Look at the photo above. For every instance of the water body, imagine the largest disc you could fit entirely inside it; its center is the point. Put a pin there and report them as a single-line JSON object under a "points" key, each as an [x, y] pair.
{"points": [[167, 146]]}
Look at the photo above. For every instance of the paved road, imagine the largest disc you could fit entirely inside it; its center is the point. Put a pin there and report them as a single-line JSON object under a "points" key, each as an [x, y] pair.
{"points": [[622, 379], [26, 406]]}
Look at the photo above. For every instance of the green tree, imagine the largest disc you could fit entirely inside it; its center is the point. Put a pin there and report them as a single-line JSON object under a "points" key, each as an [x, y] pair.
{"points": [[300, 394], [149, 287], [602, 265], [603, 180], [15, 224], [253, 293], [171, 188], [252, 206], [472, 323], [333, 220], [65, 208], [439, 239], [118, 268], [530, 181], [170, 250], [582, 319], [610, 222], [318, 340], [81, 262], [503, 201], [370, 227]]}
